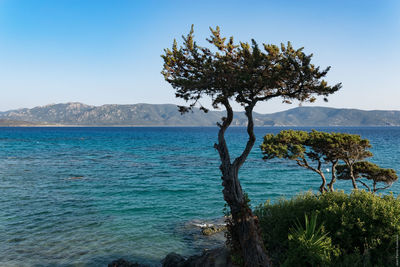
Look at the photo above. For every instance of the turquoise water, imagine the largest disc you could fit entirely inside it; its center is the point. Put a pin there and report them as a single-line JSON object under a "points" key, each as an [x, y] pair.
{"points": [[86, 196]]}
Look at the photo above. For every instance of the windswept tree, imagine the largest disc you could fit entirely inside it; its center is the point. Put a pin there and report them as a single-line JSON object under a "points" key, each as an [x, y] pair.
{"points": [[309, 150], [326, 145], [351, 149], [316, 149], [369, 171], [246, 74]]}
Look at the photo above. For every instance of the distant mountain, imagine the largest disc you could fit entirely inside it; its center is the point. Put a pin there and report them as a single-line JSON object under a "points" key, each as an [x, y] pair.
{"points": [[322, 116], [167, 115]]}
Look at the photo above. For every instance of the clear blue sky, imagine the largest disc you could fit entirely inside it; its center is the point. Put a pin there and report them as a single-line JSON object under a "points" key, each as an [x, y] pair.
{"points": [[103, 52]]}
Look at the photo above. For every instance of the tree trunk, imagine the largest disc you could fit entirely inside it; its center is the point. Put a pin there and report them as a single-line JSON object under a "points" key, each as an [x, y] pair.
{"points": [[353, 179], [245, 228], [322, 188], [245, 225], [333, 180]]}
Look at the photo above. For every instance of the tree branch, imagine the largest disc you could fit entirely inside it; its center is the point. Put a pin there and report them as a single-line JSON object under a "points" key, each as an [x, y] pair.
{"points": [[252, 138], [364, 184], [304, 163], [222, 146], [267, 97], [380, 188]]}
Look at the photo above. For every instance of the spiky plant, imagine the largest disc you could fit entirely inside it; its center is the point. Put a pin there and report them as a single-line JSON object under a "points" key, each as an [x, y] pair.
{"points": [[309, 245]]}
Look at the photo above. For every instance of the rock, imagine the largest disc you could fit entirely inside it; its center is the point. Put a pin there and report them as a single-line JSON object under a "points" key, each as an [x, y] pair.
{"points": [[192, 231], [212, 229], [218, 257], [173, 260], [124, 263]]}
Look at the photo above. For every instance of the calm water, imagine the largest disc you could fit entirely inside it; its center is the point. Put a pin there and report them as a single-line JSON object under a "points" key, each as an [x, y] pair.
{"points": [[86, 196]]}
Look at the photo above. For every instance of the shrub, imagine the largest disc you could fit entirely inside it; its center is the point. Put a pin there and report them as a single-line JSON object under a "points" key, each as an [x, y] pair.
{"points": [[309, 245], [363, 226]]}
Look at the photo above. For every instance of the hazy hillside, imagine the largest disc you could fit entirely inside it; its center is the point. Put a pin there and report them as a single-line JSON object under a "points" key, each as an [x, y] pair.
{"points": [[321, 116], [167, 115], [11, 123]]}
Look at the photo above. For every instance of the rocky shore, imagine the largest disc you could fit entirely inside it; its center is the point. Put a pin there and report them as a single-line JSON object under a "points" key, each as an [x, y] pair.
{"points": [[217, 256]]}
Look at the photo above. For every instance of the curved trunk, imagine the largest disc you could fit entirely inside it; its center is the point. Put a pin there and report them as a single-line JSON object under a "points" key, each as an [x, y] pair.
{"points": [[333, 179], [322, 188], [303, 163], [353, 179], [245, 225]]}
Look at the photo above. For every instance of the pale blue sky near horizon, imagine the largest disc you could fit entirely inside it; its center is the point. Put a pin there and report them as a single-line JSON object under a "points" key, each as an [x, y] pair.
{"points": [[108, 52]]}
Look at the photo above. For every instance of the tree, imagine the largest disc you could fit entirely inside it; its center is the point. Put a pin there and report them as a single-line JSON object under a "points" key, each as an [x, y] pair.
{"points": [[351, 149], [246, 74], [369, 171], [329, 148], [326, 144], [309, 150]]}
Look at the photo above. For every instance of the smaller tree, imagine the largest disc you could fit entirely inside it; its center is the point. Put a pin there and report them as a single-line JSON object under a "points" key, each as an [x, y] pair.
{"points": [[315, 149], [369, 171], [352, 149], [326, 145], [309, 150]]}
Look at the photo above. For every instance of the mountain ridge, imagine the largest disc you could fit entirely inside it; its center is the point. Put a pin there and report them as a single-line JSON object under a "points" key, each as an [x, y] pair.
{"points": [[142, 114]]}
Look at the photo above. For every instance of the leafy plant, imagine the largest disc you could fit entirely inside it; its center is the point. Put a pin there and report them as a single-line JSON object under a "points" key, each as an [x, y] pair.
{"points": [[309, 245]]}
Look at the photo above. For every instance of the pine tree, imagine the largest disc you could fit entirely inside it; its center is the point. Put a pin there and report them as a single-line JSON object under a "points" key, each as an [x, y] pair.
{"points": [[246, 74]]}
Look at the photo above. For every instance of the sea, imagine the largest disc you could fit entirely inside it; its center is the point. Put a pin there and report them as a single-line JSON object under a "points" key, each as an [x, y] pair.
{"points": [[80, 196]]}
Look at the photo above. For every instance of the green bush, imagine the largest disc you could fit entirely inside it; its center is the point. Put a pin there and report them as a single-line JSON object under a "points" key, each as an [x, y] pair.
{"points": [[363, 226]]}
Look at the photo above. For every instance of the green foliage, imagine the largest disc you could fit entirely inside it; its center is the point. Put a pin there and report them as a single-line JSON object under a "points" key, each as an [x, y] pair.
{"points": [[288, 144], [309, 245], [309, 150], [352, 147], [369, 171], [295, 145], [241, 71], [363, 226]]}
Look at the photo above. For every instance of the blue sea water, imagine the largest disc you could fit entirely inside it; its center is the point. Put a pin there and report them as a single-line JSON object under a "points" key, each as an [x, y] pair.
{"points": [[87, 196]]}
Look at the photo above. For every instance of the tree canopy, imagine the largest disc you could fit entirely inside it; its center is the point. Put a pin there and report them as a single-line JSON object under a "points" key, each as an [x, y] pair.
{"points": [[351, 148], [309, 150], [369, 171], [242, 71]]}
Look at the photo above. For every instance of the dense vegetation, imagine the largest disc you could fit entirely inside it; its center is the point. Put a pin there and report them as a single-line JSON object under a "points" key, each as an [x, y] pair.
{"points": [[357, 229]]}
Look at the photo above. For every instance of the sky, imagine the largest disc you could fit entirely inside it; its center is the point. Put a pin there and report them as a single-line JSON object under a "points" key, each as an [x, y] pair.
{"points": [[108, 52]]}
